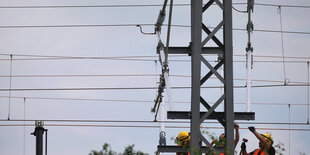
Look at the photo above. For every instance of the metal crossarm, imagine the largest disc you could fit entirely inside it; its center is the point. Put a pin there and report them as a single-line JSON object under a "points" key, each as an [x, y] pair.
{"points": [[214, 115]]}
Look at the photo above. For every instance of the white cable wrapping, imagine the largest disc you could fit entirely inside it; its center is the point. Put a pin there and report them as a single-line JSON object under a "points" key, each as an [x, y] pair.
{"points": [[167, 83], [162, 116], [249, 81]]}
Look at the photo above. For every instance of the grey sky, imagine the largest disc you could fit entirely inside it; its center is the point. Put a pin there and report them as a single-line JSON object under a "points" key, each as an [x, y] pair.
{"points": [[128, 41]]}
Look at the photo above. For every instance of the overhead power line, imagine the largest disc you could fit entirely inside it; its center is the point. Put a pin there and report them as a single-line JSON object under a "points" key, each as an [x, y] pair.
{"points": [[135, 5], [141, 126], [132, 25], [140, 88], [127, 57], [127, 75], [142, 121], [142, 58], [137, 101], [146, 121]]}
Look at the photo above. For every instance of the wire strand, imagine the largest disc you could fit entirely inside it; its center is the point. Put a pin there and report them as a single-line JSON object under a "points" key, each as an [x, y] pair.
{"points": [[308, 102], [136, 5], [168, 33], [137, 101], [147, 121], [24, 126], [134, 25], [282, 45], [10, 87], [142, 88], [143, 126]]}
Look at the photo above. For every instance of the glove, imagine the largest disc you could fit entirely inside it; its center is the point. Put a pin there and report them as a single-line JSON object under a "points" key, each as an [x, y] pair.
{"points": [[252, 129], [243, 146]]}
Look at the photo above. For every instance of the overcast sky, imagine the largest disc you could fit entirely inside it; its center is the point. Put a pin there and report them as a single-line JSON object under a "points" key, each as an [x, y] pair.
{"points": [[270, 104]]}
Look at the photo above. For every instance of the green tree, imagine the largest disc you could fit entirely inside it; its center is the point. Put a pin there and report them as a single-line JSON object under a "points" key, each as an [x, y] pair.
{"points": [[106, 150], [129, 150]]}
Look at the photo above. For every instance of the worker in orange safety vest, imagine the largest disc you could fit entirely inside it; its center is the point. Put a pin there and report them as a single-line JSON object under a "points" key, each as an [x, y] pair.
{"points": [[220, 143], [183, 139], [265, 144]]}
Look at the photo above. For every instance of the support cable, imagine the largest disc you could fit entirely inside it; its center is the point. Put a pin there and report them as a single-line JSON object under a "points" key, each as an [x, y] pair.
{"points": [[135, 25], [129, 57], [24, 126], [10, 87], [147, 126], [168, 34], [308, 102], [240, 11], [143, 88], [289, 128], [150, 121], [136, 5], [282, 47], [138, 101]]}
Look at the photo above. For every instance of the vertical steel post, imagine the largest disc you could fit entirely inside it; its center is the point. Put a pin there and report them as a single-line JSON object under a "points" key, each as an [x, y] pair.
{"points": [[38, 132], [228, 76], [196, 32]]}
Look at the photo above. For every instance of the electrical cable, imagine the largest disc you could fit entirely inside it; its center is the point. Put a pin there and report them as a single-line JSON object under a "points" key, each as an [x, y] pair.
{"points": [[282, 46], [137, 101], [151, 60], [24, 126], [239, 10], [283, 6], [134, 5], [10, 86], [148, 121], [289, 127], [168, 34], [143, 126], [133, 25], [129, 57], [141, 88], [308, 81], [165, 5]]}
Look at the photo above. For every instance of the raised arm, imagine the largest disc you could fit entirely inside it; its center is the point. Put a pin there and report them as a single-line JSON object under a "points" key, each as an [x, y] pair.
{"points": [[237, 135], [259, 137]]}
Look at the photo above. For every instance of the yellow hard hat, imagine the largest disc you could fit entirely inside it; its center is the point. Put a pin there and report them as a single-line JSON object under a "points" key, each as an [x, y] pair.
{"points": [[183, 136], [268, 138]]}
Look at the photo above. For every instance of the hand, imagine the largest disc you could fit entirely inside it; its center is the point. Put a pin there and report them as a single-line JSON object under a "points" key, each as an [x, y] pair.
{"points": [[236, 126], [252, 129], [243, 146]]}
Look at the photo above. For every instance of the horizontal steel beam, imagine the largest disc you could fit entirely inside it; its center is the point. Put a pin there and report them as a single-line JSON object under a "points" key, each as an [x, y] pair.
{"points": [[187, 50], [173, 148], [187, 115]]}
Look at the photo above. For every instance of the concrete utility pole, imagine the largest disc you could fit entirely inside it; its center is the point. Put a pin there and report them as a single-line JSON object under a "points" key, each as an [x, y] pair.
{"points": [[38, 132], [224, 51]]}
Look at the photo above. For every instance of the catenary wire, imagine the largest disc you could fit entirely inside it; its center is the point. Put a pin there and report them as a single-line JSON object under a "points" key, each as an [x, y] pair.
{"points": [[289, 127], [133, 25], [10, 86], [136, 5], [24, 127], [138, 101], [148, 121], [282, 44], [143, 126], [125, 75], [308, 98], [130, 57], [141, 88]]}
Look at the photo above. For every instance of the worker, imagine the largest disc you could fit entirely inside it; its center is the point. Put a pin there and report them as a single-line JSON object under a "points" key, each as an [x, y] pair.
{"points": [[265, 144], [183, 140], [221, 142]]}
